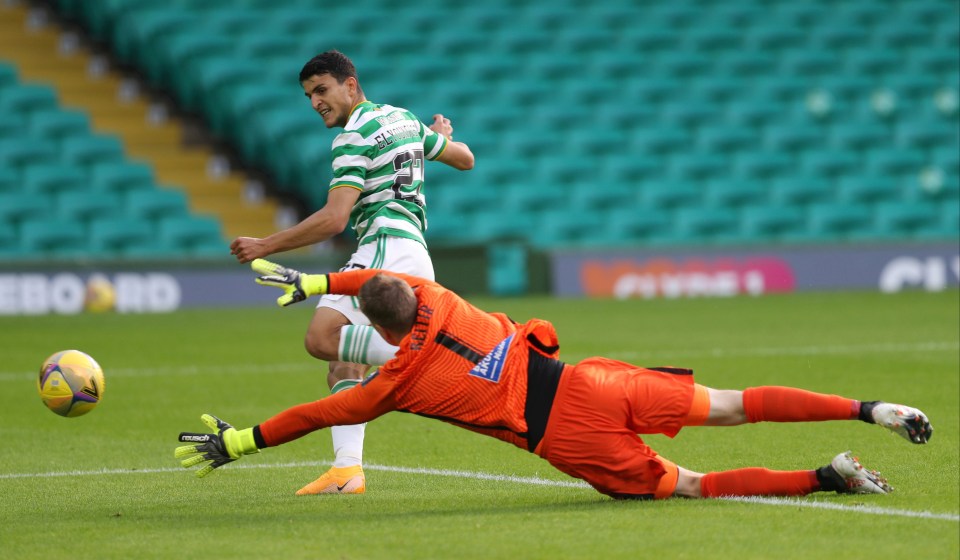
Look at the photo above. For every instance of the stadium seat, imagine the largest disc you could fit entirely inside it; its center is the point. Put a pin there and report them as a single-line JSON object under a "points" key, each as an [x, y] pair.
{"points": [[59, 124], [9, 180], [89, 150], [86, 206], [12, 126], [771, 222], [121, 236], [897, 162], [868, 189], [27, 98], [706, 222], [763, 165], [54, 178], [8, 75], [191, 233], [626, 225], [898, 219], [859, 136], [725, 138], [696, 166], [733, 193], [562, 227], [670, 193], [871, 61], [154, 204], [824, 163], [20, 152], [839, 220], [793, 137], [120, 177], [800, 190], [660, 140], [16, 207], [604, 196], [55, 238], [927, 135]]}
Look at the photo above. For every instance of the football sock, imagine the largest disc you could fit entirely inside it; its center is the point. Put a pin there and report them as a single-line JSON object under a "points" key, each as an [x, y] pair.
{"points": [[347, 440], [361, 344], [787, 404], [757, 481]]}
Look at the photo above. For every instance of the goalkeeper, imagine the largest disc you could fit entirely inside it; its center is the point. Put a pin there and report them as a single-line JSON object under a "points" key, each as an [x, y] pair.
{"points": [[483, 372]]}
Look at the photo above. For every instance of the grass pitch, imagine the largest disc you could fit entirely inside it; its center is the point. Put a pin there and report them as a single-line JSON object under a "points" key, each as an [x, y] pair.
{"points": [[106, 485]]}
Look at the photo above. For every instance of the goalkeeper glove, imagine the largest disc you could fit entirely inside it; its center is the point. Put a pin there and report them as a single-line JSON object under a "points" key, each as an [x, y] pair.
{"points": [[296, 285], [224, 446]]}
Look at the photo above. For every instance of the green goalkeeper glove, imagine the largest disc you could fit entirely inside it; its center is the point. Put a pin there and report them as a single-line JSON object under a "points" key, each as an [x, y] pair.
{"points": [[296, 285], [224, 446]]}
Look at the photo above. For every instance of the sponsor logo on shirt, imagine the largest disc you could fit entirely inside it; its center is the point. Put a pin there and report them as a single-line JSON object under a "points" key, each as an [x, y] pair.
{"points": [[491, 365]]}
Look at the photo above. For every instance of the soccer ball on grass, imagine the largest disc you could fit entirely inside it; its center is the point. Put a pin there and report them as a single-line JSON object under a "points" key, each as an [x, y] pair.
{"points": [[70, 383]]}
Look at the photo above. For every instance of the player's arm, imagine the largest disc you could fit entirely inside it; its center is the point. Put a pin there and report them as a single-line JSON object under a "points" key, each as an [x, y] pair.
{"points": [[319, 226], [298, 286], [227, 444], [454, 154]]}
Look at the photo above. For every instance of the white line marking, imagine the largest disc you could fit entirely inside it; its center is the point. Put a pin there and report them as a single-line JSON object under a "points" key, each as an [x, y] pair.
{"points": [[295, 367], [790, 502]]}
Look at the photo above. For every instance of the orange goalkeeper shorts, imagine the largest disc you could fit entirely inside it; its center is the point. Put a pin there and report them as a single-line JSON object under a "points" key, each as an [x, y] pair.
{"points": [[600, 407]]}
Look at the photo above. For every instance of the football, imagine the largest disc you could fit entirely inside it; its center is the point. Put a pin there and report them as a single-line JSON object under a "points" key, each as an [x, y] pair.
{"points": [[70, 383]]}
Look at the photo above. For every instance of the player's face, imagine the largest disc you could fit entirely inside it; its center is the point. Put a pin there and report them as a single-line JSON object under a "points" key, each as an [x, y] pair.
{"points": [[331, 100]]}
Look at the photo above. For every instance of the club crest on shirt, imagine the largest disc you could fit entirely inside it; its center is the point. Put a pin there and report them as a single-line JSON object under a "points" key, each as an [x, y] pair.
{"points": [[491, 365]]}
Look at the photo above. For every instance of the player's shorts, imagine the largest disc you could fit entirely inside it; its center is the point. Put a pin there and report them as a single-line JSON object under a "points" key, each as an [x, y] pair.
{"points": [[600, 407], [396, 254]]}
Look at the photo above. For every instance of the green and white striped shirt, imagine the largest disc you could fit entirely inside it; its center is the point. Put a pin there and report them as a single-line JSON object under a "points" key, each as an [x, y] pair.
{"points": [[380, 153]]}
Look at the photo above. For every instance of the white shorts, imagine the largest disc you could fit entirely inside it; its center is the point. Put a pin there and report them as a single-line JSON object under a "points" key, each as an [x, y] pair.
{"points": [[396, 254]]}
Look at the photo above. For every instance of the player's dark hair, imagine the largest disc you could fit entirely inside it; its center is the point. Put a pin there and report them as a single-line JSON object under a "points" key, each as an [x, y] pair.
{"points": [[334, 63], [389, 302]]}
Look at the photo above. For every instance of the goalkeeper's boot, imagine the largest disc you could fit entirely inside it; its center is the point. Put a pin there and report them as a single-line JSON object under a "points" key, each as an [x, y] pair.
{"points": [[909, 422], [337, 480], [856, 479]]}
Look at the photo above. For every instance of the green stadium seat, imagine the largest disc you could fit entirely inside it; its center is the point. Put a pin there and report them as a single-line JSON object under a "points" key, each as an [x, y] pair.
{"points": [[763, 164], [651, 39], [87, 206], [839, 220], [154, 204], [16, 207], [717, 88], [747, 64], [902, 218], [59, 124], [773, 37], [54, 178], [897, 162], [27, 98], [793, 137], [90, 150], [192, 233], [733, 193], [934, 60], [233, 104], [927, 135], [824, 163], [54, 238], [498, 225], [604, 196], [634, 169], [9, 180], [660, 140], [858, 136], [695, 166], [9, 77], [629, 225], [791, 190], [12, 126], [563, 227], [238, 20], [712, 39], [807, 62], [121, 236], [120, 177], [659, 194], [838, 35], [8, 238], [706, 222], [725, 139], [756, 111], [872, 61], [651, 88], [770, 222], [20, 152], [139, 31], [531, 199], [868, 189], [690, 113]]}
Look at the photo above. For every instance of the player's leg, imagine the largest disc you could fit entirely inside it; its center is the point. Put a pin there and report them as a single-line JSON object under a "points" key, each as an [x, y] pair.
{"points": [[789, 404], [844, 475]]}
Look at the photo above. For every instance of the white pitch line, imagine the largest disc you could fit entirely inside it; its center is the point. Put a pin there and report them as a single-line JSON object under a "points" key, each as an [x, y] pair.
{"points": [[533, 480], [255, 369]]}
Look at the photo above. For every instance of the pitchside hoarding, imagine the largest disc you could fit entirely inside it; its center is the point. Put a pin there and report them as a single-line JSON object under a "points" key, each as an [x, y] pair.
{"points": [[671, 274]]}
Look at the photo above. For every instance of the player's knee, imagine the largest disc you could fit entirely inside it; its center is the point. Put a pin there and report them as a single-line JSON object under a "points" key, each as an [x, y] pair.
{"points": [[320, 347]]}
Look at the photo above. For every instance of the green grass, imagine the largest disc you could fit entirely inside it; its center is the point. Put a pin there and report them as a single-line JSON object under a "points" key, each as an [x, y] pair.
{"points": [[163, 371]]}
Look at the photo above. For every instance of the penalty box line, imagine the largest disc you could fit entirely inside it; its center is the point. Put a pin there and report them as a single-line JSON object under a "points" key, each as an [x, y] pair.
{"points": [[532, 480]]}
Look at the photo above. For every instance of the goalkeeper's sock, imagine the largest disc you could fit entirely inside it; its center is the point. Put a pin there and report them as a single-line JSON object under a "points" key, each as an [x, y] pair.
{"points": [[757, 481], [347, 440], [361, 344], [788, 404]]}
